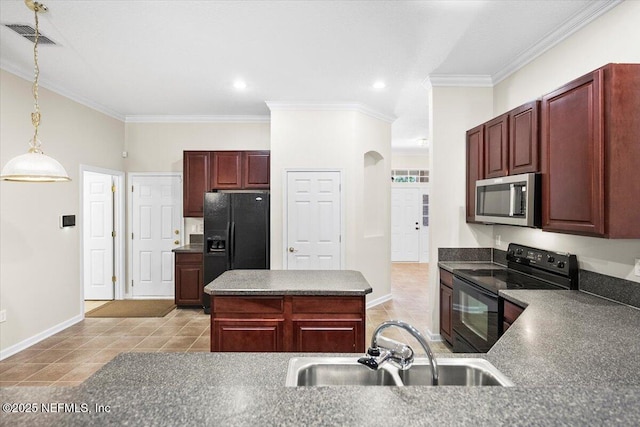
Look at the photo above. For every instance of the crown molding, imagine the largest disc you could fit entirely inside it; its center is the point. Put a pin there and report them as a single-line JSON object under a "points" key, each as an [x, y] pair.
{"points": [[457, 80], [13, 69], [315, 106], [196, 119], [581, 19]]}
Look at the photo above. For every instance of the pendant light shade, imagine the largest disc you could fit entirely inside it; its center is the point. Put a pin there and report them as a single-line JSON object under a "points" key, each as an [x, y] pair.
{"points": [[34, 166]]}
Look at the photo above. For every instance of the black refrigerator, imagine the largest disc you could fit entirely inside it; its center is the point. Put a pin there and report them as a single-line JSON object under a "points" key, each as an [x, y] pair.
{"points": [[236, 235]]}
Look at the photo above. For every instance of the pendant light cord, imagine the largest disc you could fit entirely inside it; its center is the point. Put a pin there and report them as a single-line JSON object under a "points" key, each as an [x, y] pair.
{"points": [[35, 116]]}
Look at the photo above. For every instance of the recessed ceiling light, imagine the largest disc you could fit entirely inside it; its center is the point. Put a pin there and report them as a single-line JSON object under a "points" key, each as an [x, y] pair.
{"points": [[379, 85], [239, 84]]}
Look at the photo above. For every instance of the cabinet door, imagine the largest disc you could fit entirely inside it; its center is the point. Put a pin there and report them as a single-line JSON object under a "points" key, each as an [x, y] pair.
{"points": [[328, 336], [195, 169], [227, 170], [188, 279], [496, 147], [256, 169], [524, 139], [256, 335], [475, 167], [573, 158], [446, 304]]}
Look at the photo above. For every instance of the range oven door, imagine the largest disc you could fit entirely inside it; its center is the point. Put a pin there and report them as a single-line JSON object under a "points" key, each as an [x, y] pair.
{"points": [[475, 317]]}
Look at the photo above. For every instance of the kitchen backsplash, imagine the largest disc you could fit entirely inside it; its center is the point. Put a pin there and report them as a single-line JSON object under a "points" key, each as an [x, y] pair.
{"points": [[621, 290], [464, 254]]}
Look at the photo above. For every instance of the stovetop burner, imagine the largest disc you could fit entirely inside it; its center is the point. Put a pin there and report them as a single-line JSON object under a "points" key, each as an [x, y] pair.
{"points": [[497, 279]]}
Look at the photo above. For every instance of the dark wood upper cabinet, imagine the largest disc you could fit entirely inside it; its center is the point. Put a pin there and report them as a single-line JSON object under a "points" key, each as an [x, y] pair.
{"points": [[196, 181], [256, 169], [227, 170], [496, 147], [221, 170], [590, 154], [475, 167], [524, 139]]}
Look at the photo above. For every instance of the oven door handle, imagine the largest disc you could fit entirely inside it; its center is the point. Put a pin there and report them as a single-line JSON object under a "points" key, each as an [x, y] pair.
{"points": [[462, 283]]}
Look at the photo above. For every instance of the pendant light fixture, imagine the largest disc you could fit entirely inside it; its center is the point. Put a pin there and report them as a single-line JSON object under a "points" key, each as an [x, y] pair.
{"points": [[34, 166]]}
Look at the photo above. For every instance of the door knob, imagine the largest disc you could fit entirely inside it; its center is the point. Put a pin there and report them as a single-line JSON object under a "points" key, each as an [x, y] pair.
{"points": [[292, 250], [177, 242]]}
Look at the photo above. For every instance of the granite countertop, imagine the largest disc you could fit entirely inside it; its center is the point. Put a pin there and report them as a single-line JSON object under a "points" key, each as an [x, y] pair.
{"points": [[572, 356], [191, 248], [289, 282]]}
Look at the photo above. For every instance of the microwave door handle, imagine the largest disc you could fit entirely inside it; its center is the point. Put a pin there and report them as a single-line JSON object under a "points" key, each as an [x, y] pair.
{"points": [[512, 199]]}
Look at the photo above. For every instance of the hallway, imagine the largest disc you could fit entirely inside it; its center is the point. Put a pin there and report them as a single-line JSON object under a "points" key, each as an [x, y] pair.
{"points": [[71, 356]]}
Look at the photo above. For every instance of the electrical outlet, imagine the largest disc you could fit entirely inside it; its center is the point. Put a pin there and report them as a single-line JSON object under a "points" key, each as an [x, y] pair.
{"points": [[637, 269], [3, 316]]}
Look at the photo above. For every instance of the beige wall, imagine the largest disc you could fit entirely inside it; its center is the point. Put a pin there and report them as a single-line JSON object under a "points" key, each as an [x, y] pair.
{"points": [[334, 140], [613, 37], [409, 161], [40, 284], [453, 111], [158, 147]]}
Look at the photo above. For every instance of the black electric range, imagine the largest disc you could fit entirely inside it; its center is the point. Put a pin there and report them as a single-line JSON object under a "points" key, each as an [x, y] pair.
{"points": [[475, 291]]}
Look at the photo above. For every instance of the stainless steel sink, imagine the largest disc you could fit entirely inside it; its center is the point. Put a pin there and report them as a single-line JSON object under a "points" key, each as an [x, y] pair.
{"points": [[341, 371]]}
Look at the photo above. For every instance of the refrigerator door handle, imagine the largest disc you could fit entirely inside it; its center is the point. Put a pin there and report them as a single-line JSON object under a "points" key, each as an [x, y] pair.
{"points": [[232, 243]]}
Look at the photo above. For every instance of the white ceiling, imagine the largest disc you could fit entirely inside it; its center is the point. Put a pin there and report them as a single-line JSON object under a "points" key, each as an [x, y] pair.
{"points": [[181, 58]]}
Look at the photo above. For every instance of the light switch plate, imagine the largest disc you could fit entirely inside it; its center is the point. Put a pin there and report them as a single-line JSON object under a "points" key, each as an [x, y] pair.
{"points": [[3, 316], [637, 269]]}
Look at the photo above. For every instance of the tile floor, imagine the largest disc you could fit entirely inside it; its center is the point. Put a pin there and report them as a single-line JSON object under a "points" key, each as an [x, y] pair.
{"points": [[71, 356]]}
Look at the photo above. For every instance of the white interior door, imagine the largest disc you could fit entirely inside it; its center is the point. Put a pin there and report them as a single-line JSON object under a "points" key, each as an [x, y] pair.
{"points": [[314, 215], [156, 203], [98, 239], [406, 218]]}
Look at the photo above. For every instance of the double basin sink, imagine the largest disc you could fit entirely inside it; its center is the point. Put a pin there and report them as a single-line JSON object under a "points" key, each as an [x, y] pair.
{"points": [[345, 371]]}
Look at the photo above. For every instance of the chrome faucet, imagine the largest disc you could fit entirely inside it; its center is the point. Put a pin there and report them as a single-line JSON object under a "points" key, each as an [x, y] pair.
{"points": [[402, 354]]}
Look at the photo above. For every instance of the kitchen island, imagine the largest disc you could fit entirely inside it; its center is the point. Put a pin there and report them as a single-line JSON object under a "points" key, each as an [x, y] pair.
{"points": [[572, 356], [288, 310]]}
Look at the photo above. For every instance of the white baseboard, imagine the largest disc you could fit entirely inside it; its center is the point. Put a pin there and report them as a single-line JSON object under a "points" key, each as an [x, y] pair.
{"points": [[433, 337], [10, 351], [379, 301]]}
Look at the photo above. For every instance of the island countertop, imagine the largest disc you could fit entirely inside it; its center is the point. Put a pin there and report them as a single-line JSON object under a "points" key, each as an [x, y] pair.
{"points": [[289, 282]]}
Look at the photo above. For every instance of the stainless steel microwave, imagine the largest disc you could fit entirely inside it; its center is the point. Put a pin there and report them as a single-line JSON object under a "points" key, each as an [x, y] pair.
{"points": [[511, 200]]}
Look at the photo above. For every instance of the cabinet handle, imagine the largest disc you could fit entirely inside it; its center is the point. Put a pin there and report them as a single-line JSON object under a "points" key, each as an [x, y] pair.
{"points": [[292, 250], [177, 231], [177, 242]]}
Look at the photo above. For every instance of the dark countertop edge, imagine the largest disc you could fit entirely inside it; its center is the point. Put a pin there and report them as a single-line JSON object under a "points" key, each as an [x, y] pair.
{"points": [[190, 248], [285, 292]]}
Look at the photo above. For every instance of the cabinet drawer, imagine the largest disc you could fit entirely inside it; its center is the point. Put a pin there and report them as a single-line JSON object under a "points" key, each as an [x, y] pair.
{"points": [[446, 278], [327, 304], [511, 311], [188, 258], [247, 305]]}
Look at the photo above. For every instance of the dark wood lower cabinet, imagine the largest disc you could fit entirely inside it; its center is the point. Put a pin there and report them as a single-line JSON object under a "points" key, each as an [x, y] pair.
{"points": [[247, 335], [510, 313], [328, 324], [446, 305], [189, 279]]}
